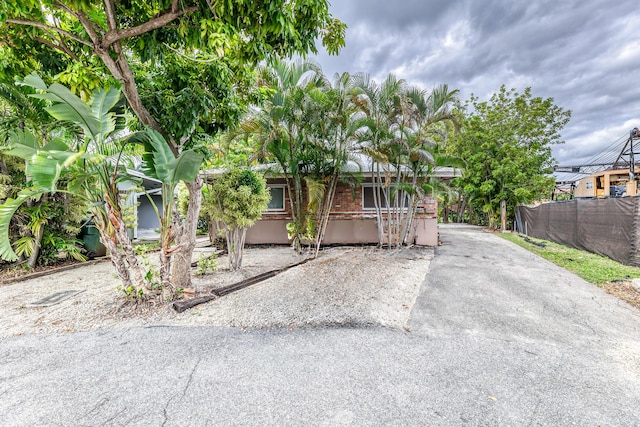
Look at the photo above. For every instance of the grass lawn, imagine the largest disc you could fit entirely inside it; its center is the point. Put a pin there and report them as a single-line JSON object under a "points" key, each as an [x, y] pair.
{"points": [[613, 277]]}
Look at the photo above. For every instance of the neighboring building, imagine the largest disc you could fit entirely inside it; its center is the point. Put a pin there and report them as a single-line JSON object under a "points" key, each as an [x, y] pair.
{"points": [[608, 183]]}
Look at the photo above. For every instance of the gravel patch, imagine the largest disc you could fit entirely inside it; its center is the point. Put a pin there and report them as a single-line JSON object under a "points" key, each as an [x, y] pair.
{"points": [[346, 286]]}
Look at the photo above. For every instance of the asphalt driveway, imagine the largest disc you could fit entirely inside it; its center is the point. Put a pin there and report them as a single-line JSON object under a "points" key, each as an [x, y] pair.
{"points": [[497, 336]]}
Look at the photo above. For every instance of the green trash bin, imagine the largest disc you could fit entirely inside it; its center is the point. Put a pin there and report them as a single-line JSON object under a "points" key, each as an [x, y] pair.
{"points": [[91, 240]]}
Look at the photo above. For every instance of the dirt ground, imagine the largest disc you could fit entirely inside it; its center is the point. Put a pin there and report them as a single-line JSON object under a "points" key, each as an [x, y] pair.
{"points": [[624, 291], [357, 286]]}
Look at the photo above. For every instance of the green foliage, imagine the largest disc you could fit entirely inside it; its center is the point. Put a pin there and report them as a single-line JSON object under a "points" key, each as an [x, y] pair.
{"points": [[207, 264], [304, 127], [189, 62], [240, 196], [196, 111], [403, 130], [506, 144], [162, 164], [57, 247], [84, 166], [86, 43], [145, 248], [7, 210], [151, 275], [49, 223], [591, 267]]}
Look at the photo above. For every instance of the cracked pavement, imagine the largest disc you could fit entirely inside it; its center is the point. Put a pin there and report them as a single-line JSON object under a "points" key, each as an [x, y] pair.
{"points": [[497, 336]]}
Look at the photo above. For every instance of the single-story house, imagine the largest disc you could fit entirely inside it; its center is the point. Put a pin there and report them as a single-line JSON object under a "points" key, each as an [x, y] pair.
{"points": [[352, 218]]}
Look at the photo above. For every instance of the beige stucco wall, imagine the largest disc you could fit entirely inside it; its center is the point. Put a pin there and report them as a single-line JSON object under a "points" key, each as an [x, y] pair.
{"points": [[272, 231], [351, 231], [340, 231], [426, 231]]}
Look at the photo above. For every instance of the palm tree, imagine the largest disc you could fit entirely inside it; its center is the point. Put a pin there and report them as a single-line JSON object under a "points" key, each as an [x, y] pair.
{"points": [[397, 132], [282, 129], [332, 135], [379, 105], [431, 118]]}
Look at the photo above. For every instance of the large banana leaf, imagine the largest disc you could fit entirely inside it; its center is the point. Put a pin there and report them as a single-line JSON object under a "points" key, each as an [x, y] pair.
{"points": [[102, 105], [44, 172], [23, 145], [158, 157], [66, 106], [187, 166], [7, 210], [45, 164], [160, 163]]}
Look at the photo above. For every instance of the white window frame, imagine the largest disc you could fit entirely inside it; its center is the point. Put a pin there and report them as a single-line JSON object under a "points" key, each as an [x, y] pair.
{"points": [[284, 197]]}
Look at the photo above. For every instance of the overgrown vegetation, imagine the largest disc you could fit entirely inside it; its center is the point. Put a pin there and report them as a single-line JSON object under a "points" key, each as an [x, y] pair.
{"points": [[319, 132], [186, 70]]}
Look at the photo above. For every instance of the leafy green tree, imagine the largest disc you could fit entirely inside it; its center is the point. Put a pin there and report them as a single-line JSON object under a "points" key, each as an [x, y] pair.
{"points": [[89, 41], [238, 198], [506, 143]]}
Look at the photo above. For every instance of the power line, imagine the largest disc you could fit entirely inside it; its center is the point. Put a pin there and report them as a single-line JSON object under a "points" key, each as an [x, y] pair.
{"points": [[606, 157]]}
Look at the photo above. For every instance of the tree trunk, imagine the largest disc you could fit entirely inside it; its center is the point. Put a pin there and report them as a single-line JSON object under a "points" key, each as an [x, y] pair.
{"points": [[122, 237], [411, 210], [117, 258], [235, 243], [231, 248], [33, 258], [503, 215], [118, 262], [376, 202], [462, 207], [325, 213], [181, 263]]}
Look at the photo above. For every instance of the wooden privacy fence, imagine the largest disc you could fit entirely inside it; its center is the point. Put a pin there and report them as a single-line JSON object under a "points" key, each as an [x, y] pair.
{"points": [[608, 227]]}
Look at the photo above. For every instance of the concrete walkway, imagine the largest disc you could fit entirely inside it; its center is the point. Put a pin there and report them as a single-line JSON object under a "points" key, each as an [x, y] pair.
{"points": [[497, 336]]}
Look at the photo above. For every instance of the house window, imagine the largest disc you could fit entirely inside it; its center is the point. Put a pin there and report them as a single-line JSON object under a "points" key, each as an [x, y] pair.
{"points": [[277, 198], [589, 185], [367, 198]]}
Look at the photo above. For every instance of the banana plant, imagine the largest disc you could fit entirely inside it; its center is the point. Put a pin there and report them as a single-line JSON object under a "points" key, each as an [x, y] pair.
{"points": [[160, 163], [92, 164]]}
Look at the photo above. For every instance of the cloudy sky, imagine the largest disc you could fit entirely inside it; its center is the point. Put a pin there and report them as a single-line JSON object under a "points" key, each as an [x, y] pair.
{"points": [[585, 54]]}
